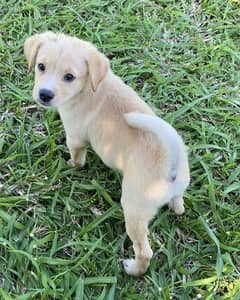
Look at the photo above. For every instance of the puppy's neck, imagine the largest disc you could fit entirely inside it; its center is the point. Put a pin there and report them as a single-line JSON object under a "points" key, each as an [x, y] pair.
{"points": [[82, 106], [79, 101]]}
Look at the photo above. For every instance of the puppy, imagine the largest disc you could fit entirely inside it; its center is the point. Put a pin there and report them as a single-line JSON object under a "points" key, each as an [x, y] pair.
{"points": [[96, 107]]}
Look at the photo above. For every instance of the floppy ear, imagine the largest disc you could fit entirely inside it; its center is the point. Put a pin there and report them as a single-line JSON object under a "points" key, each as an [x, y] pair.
{"points": [[33, 44], [98, 66]]}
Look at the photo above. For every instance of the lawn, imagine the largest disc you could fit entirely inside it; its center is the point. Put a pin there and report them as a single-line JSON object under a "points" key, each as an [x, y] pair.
{"points": [[62, 232]]}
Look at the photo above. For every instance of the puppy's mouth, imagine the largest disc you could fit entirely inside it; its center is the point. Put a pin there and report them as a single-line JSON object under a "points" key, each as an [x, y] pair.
{"points": [[45, 104]]}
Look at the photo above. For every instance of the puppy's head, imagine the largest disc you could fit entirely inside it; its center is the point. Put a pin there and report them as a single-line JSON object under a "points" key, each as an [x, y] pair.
{"points": [[64, 67]]}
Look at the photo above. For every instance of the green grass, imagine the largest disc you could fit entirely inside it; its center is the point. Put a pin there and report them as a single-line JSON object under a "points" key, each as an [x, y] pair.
{"points": [[62, 233]]}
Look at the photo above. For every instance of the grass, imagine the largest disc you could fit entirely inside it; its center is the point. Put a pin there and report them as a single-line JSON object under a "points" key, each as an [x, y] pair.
{"points": [[61, 229]]}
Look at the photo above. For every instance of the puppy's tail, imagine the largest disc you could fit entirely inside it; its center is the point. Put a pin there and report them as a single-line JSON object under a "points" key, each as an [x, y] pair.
{"points": [[166, 134]]}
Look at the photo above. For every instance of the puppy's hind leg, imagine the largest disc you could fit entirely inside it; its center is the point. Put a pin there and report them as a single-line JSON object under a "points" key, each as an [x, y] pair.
{"points": [[137, 229], [177, 205]]}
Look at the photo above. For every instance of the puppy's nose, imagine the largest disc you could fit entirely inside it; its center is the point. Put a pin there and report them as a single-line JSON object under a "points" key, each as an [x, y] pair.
{"points": [[46, 95]]}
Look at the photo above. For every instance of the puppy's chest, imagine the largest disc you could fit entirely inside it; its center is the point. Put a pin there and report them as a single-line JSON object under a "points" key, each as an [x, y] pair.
{"points": [[74, 126]]}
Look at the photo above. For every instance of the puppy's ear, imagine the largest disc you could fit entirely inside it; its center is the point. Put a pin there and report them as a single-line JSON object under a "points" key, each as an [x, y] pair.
{"points": [[33, 44], [98, 66]]}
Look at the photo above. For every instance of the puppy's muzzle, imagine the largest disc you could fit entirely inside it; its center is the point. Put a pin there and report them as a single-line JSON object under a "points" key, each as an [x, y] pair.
{"points": [[46, 96]]}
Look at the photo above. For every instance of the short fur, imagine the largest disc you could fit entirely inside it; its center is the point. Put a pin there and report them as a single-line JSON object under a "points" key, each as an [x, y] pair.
{"points": [[98, 108]]}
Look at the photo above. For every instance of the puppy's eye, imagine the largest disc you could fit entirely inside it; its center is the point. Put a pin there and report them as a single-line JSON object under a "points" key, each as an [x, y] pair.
{"points": [[68, 77], [41, 67]]}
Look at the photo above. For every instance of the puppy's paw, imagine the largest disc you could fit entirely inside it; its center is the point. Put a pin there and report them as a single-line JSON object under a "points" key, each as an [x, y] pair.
{"points": [[179, 210], [131, 267], [128, 265], [177, 205], [72, 163]]}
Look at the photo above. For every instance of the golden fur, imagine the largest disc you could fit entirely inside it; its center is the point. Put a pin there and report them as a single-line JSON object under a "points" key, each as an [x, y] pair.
{"points": [[98, 108]]}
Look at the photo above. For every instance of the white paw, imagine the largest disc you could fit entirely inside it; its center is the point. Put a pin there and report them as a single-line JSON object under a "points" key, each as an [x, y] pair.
{"points": [[72, 163], [179, 210], [177, 205], [133, 268], [129, 266]]}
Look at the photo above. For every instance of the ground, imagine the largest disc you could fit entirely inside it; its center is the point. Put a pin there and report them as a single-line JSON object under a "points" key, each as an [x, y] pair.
{"points": [[62, 233]]}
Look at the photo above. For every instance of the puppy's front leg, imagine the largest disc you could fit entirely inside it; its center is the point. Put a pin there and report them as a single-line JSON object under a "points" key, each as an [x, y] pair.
{"points": [[77, 151]]}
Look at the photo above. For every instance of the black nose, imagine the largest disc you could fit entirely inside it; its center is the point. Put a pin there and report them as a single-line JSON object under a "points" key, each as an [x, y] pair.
{"points": [[46, 95]]}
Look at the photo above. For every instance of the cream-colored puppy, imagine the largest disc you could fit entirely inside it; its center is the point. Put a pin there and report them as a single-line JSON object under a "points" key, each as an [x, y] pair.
{"points": [[96, 107]]}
